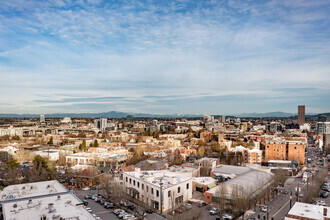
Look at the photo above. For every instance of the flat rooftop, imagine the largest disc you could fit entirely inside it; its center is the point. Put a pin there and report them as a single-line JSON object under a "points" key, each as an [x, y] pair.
{"points": [[308, 211], [65, 206], [26, 190], [168, 178], [204, 180]]}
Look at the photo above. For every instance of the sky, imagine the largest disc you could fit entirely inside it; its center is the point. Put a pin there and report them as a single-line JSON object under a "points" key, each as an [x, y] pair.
{"points": [[164, 56]]}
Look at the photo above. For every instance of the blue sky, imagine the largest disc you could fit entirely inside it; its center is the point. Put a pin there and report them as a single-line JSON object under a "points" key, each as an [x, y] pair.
{"points": [[204, 57]]}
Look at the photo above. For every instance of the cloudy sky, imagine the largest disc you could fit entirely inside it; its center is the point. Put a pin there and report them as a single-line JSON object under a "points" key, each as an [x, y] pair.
{"points": [[185, 56]]}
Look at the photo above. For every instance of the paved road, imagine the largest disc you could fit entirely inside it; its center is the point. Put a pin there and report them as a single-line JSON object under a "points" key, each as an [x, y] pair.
{"points": [[280, 205]]}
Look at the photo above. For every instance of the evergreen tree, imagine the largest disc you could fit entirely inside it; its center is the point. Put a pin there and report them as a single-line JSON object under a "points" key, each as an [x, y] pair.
{"points": [[83, 146], [51, 142], [96, 144]]}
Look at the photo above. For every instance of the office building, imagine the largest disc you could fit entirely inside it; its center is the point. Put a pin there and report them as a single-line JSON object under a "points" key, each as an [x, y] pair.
{"points": [[42, 118], [301, 114], [322, 127], [101, 123], [326, 143]]}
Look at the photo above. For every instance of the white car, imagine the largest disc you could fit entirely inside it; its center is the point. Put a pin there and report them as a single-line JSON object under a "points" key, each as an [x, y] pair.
{"points": [[264, 209], [226, 217], [212, 212], [86, 189], [88, 209]]}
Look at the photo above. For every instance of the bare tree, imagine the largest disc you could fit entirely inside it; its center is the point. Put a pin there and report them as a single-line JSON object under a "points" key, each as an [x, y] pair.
{"points": [[221, 198]]}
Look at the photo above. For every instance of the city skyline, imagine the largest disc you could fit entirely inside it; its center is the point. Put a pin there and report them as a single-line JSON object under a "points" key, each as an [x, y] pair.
{"points": [[190, 57]]}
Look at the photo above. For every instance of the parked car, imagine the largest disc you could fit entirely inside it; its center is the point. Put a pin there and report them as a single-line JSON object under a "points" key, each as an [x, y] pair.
{"points": [[117, 211], [285, 192], [85, 202], [88, 197], [188, 206], [226, 217], [85, 188], [108, 205], [131, 207], [324, 194], [88, 209], [212, 212], [149, 211], [102, 201], [201, 204], [264, 209]]}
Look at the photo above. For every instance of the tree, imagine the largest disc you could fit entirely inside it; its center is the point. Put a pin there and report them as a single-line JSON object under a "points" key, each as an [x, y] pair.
{"points": [[240, 201], [201, 151], [12, 164], [96, 144], [50, 142], [221, 197], [83, 146], [41, 170]]}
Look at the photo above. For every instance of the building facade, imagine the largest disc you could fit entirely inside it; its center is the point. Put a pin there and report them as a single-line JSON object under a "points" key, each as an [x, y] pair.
{"points": [[161, 190], [301, 114]]}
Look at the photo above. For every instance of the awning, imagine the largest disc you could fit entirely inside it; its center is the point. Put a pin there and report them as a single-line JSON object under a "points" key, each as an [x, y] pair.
{"points": [[212, 185]]}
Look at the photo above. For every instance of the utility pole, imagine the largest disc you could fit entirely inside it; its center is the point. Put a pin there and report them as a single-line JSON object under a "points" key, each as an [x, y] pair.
{"points": [[297, 192]]}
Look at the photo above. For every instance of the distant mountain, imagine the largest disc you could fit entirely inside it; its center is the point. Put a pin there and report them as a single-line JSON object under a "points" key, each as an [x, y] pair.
{"points": [[110, 114], [266, 115]]}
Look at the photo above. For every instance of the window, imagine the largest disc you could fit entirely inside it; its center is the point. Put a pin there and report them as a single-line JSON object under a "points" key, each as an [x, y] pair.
{"points": [[187, 185], [169, 193], [147, 188], [142, 186], [138, 183], [130, 181], [179, 189], [134, 182], [126, 179], [157, 193], [152, 191]]}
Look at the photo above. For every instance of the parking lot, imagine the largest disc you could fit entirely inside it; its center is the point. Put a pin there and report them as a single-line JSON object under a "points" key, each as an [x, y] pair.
{"points": [[103, 213]]}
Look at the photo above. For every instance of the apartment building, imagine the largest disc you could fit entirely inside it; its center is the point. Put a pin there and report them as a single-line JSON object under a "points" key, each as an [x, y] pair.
{"points": [[285, 150], [162, 190], [253, 156]]}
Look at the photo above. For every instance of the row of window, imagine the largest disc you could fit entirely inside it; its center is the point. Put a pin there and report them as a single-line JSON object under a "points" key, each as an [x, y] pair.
{"points": [[137, 183]]}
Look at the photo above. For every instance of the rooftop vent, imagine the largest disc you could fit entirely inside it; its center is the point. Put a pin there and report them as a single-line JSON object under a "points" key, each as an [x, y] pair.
{"points": [[15, 205]]}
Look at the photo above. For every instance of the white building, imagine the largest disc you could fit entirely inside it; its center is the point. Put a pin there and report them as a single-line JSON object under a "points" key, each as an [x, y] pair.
{"points": [[162, 190], [41, 200], [11, 131], [308, 211], [66, 120]]}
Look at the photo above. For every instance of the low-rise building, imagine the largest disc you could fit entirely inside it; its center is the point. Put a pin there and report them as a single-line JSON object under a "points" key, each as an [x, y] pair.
{"points": [[41, 200], [162, 190], [206, 165], [304, 211], [202, 184]]}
